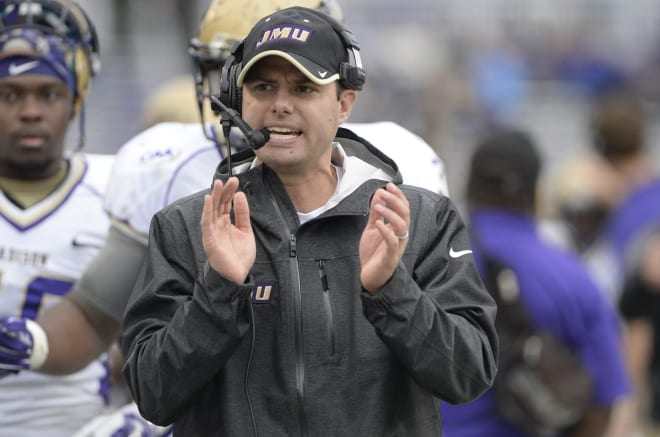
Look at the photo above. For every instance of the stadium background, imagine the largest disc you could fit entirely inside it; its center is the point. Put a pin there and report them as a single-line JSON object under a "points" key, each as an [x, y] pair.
{"points": [[438, 67]]}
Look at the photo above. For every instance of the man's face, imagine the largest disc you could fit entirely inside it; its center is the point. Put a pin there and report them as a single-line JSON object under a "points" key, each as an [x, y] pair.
{"points": [[35, 111], [302, 116]]}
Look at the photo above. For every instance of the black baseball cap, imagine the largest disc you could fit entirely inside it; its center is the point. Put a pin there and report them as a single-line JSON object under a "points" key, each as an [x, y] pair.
{"points": [[506, 162], [303, 37]]}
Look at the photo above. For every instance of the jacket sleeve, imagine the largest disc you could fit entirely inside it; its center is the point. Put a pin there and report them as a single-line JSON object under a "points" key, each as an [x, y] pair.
{"points": [[435, 313], [172, 325]]}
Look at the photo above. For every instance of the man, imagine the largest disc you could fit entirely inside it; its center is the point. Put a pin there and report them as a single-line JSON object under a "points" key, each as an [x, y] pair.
{"points": [[169, 161], [160, 165], [554, 286], [52, 221], [323, 298]]}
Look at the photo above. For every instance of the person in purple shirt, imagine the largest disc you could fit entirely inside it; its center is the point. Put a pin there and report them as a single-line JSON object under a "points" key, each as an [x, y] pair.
{"points": [[619, 123], [555, 287]]}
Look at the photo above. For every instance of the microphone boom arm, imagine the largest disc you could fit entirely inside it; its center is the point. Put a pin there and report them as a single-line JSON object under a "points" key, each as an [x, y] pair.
{"points": [[256, 138]]}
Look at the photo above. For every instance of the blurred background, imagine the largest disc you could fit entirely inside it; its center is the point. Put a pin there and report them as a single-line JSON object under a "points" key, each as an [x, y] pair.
{"points": [[441, 68]]}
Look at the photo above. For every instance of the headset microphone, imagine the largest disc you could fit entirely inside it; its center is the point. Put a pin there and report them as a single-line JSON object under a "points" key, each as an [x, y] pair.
{"points": [[256, 138]]}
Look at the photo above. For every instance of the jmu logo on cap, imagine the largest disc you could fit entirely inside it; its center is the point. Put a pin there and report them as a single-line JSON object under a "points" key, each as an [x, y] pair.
{"points": [[292, 33]]}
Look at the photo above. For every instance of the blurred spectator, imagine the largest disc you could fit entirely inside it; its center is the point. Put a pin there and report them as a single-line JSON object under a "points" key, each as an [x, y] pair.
{"points": [[619, 124], [583, 68], [555, 287], [500, 80], [585, 190], [640, 306]]}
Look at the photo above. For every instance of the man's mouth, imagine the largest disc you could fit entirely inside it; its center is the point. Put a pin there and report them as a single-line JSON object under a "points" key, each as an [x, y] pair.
{"points": [[31, 140], [283, 134]]}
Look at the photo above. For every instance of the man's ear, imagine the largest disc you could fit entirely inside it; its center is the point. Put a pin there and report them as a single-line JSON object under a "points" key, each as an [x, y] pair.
{"points": [[73, 111], [346, 101]]}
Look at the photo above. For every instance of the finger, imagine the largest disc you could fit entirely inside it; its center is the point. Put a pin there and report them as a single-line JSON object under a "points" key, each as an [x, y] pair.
{"points": [[377, 199], [216, 195], [207, 212], [388, 234], [395, 210], [241, 211], [398, 201], [228, 192], [397, 224], [394, 189]]}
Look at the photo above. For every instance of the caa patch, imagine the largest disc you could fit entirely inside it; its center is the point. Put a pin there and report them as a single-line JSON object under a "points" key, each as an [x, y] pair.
{"points": [[158, 155], [262, 293]]}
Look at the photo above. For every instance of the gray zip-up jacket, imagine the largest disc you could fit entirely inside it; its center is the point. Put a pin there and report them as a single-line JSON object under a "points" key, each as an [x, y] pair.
{"points": [[300, 349]]}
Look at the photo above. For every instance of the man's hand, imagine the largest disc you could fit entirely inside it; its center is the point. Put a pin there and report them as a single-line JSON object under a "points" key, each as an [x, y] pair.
{"points": [[124, 422], [230, 248], [384, 238], [23, 345]]}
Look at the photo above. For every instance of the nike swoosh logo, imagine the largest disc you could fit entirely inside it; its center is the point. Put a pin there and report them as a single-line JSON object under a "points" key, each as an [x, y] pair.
{"points": [[87, 240], [455, 254], [15, 70]]}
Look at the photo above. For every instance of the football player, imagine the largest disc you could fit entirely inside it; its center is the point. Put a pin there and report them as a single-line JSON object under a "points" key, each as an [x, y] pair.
{"points": [[172, 160], [52, 222]]}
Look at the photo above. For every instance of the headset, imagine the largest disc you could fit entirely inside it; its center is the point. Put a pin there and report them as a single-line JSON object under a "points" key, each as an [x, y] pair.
{"points": [[351, 72]]}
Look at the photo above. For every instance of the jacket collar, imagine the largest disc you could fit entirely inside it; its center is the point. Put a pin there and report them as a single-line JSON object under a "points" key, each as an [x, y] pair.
{"points": [[352, 144]]}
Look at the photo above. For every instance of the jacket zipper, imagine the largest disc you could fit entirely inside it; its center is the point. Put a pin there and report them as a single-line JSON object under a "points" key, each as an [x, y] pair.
{"points": [[300, 352], [330, 325], [298, 330]]}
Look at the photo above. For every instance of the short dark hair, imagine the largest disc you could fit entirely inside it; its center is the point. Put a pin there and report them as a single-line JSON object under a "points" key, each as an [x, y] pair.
{"points": [[617, 124], [504, 170]]}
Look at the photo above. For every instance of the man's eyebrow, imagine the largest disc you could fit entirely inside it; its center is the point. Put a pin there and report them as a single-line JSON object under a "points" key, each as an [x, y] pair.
{"points": [[298, 78], [302, 79], [259, 75]]}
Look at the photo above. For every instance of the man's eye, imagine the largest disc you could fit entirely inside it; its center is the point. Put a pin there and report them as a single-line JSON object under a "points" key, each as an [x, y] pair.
{"points": [[262, 87], [305, 89], [8, 96], [50, 95]]}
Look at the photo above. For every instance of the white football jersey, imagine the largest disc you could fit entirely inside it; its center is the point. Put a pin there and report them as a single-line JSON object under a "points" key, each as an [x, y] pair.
{"points": [[419, 164], [158, 166], [43, 251], [172, 160]]}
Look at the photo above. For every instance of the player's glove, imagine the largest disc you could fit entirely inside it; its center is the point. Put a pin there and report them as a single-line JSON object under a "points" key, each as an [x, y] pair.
{"points": [[124, 422], [23, 345]]}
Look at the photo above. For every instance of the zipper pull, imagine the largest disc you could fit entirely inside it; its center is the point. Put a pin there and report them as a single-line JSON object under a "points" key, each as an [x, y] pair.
{"points": [[293, 251], [323, 275]]}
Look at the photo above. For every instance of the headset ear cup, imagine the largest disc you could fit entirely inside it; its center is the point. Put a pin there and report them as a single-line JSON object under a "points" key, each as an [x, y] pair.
{"points": [[225, 80], [351, 76], [230, 94], [236, 96]]}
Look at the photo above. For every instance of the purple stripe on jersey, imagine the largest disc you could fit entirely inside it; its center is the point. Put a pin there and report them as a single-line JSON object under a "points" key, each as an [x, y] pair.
{"points": [[37, 289], [105, 385]]}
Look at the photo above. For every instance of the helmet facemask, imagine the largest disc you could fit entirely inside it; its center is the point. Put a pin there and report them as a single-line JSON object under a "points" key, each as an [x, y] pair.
{"points": [[208, 60]]}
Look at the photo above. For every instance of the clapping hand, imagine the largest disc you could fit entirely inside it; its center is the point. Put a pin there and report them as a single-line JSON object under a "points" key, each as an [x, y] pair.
{"points": [[230, 247], [384, 238]]}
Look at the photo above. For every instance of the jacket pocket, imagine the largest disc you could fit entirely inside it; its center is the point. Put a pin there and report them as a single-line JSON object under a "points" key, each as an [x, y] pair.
{"points": [[327, 306]]}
